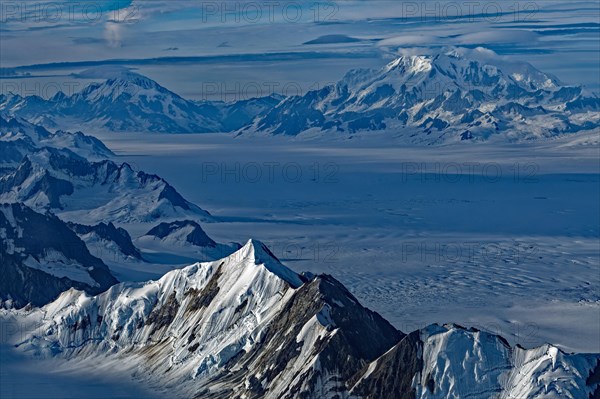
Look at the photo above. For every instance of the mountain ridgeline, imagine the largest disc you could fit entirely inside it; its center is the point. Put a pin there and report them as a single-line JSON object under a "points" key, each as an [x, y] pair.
{"points": [[246, 326], [19, 137], [94, 192], [63, 198], [452, 96]]}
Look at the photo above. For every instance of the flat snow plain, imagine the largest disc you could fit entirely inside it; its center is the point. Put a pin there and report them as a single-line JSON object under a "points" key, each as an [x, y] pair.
{"points": [[503, 237]]}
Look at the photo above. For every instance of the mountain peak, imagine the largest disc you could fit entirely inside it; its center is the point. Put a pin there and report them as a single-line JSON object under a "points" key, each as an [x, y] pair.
{"points": [[410, 64], [256, 252], [124, 87], [230, 326], [135, 79], [459, 94], [462, 65], [121, 75]]}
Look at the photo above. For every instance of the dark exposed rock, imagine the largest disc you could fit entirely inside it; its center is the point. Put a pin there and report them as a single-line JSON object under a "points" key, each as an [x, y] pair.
{"points": [[241, 306], [203, 298], [24, 285], [594, 379], [171, 195], [164, 315], [394, 372], [109, 232], [196, 237], [361, 337], [27, 233]]}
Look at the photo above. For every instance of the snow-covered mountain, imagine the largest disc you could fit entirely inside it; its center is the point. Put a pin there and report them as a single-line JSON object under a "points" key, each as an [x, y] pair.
{"points": [[186, 231], [457, 95], [93, 192], [105, 239], [451, 96], [18, 138], [127, 101], [40, 257], [239, 114], [184, 238], [247, 326], [451, 361]]}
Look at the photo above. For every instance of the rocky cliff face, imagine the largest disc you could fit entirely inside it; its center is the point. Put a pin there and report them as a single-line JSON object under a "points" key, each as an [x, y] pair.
{"points": [[42, 257], [110, 236]]}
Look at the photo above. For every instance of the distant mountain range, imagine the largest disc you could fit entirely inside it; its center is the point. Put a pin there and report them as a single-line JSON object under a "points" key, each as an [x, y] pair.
{"points": [[452, 96], [93, 192], [60, 186], [19, 137], [132, 102], [246, 326], [446, 97]]}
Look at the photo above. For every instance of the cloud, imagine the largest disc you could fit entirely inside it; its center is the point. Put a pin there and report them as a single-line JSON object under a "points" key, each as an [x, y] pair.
{"points": [[103, 72], [333, 39], [113, 34], [496, 36], [407, 40]]}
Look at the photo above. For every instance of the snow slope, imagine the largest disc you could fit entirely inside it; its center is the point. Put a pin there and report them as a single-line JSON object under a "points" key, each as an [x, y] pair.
{"points": [[454, 362]]}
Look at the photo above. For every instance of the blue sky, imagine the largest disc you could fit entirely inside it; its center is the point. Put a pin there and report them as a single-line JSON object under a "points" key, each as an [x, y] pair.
{"points": [[191, 45]]}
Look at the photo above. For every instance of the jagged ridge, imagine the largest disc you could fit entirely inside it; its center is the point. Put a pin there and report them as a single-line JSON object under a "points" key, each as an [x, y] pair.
{"points": [[246, 326], [19, 138], [93, 192]]}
